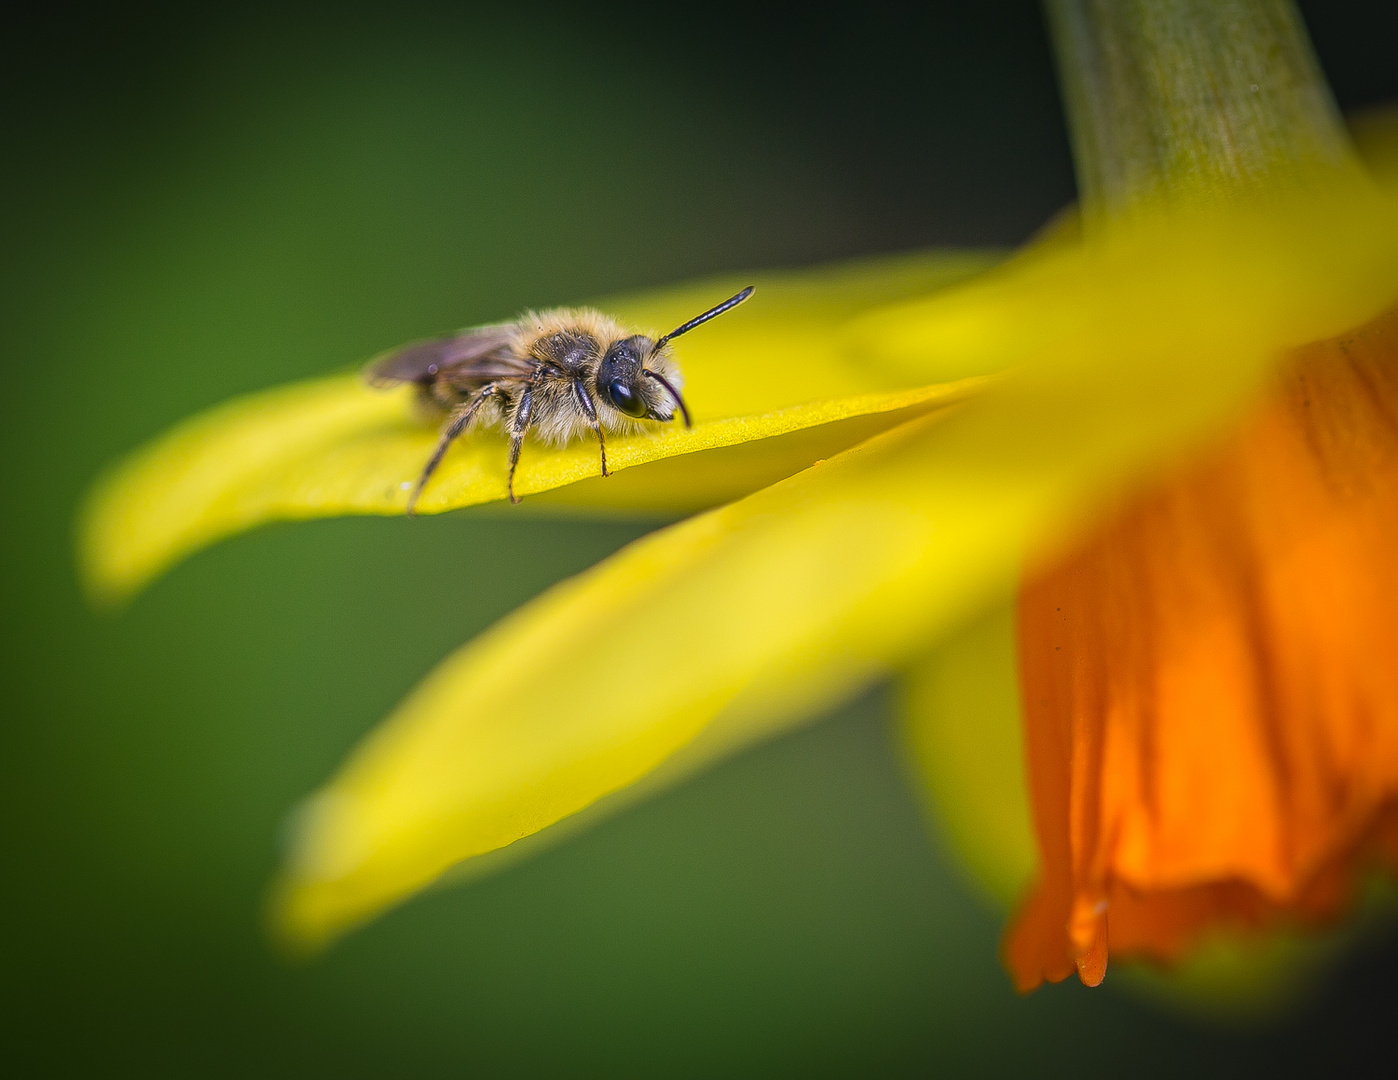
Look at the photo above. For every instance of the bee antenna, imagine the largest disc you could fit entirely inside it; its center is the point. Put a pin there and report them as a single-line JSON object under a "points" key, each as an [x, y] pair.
{"points": [[663, 381], [700, 320]]}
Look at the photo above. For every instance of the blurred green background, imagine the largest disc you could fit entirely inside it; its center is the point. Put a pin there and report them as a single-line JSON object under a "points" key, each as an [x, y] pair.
{"points": [[198, 204]]}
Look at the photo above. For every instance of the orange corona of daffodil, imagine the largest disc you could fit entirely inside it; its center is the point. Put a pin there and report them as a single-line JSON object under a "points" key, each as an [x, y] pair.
{"points": [[1180, 425], [1211, 681]]}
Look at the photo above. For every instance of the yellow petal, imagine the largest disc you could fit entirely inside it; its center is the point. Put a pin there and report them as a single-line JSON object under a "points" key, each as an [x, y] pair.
{"points": [[960, 720], [725, 627], [335, 446], [795, 593], [1216, 295]]}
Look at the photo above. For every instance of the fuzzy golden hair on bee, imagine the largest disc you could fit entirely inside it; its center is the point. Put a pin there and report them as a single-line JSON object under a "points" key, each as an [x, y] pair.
{"points": [[583, 320], [553, 375]]}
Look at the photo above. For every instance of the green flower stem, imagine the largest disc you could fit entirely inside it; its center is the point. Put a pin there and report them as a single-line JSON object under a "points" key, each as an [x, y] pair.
{"points": [[1189, 101]]}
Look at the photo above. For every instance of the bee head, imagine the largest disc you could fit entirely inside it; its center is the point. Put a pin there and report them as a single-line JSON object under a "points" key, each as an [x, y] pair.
{"points": [[619, 376], [630, 387], [625, 384]]}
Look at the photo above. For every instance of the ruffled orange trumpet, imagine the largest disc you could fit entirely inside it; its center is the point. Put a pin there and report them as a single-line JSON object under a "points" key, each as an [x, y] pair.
{"points": [[1210, 682]]}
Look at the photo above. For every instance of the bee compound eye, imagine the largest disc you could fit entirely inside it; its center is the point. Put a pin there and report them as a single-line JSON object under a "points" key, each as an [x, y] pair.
{"points": [[625, 399]]}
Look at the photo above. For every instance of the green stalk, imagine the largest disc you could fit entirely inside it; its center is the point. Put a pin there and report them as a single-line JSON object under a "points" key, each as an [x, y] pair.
{"points": [[1190, 101]]}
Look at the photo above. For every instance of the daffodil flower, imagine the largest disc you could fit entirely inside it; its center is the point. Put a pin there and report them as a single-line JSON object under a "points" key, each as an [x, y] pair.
{"points": [[1139, 476]]}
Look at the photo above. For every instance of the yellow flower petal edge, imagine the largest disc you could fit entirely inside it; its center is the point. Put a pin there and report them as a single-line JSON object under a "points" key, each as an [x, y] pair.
{"points": [[961, 724], [336, 446], [725, 627]]}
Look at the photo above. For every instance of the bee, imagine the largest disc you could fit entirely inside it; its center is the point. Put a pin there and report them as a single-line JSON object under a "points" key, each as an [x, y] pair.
{"points": [[554, 374]]}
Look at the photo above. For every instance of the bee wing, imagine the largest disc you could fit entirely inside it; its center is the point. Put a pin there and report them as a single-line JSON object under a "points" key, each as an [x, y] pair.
{"points": [[471, 356]]}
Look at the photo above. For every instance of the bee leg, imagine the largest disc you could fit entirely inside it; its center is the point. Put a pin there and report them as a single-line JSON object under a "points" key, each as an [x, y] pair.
{"points": [[457, 420], [590, 411], [519, 425]]}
